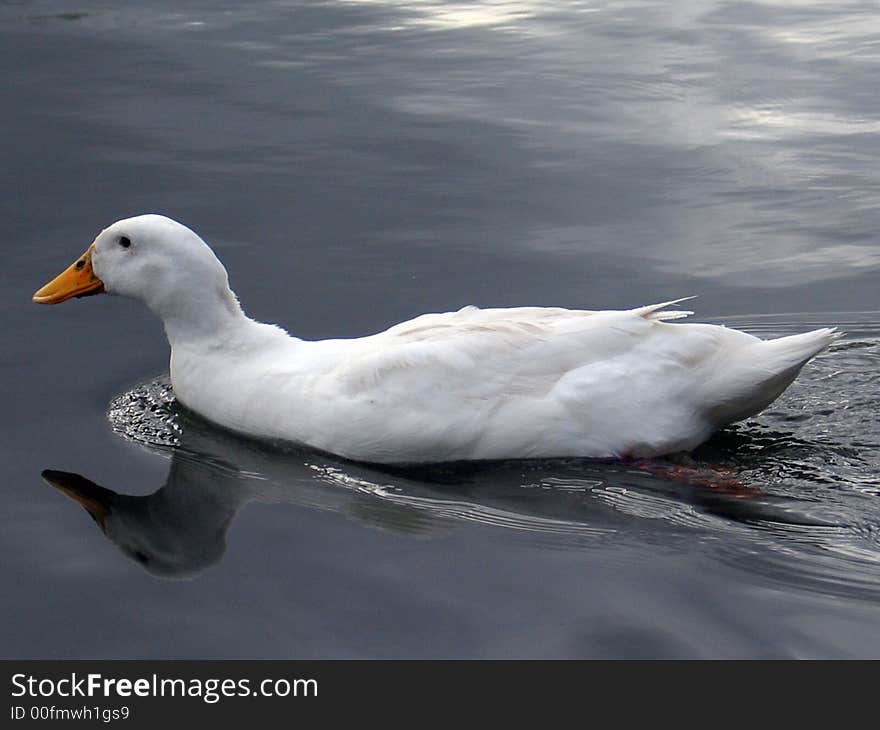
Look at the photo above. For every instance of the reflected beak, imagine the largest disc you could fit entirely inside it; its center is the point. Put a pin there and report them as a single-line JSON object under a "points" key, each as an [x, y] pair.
{"points": [[92, 497], [78, 280]]}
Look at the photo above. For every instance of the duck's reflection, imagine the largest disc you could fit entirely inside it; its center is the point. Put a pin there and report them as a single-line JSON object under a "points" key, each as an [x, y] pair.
{"points": [[175, 531], [180, 529]]}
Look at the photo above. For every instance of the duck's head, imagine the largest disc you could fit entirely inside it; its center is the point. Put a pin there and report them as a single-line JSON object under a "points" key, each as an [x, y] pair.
{"points": [[172, 533], [149, 257]]}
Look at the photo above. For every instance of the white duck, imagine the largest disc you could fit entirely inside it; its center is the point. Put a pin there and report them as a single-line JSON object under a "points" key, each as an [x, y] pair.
{"points": [[527, 382]]}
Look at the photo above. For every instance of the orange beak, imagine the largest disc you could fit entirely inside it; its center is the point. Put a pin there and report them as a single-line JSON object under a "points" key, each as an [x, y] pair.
{"points": [[78, 280]]}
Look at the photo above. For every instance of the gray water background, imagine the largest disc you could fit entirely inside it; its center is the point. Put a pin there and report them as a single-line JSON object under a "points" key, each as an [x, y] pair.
{"points": [[357, 163]]}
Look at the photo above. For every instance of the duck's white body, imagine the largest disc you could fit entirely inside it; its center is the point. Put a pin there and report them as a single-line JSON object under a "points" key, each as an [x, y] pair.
{"points": [[472, 384], [490, 384]]}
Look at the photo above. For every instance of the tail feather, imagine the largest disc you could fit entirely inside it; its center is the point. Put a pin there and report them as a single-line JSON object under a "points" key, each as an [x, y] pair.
{"points": [[655, 311], [755, 375], [794, 351]]}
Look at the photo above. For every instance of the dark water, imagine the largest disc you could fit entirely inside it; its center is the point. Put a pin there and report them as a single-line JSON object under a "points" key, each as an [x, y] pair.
{"points": [[356, 163]]}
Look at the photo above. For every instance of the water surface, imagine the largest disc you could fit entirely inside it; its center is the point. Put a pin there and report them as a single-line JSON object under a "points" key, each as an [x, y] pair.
{"points": [[357, 163]]}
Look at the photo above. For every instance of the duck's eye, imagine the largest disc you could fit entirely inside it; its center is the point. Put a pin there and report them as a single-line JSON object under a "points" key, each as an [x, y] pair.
{"points": [[141, 557], [125, 242]]}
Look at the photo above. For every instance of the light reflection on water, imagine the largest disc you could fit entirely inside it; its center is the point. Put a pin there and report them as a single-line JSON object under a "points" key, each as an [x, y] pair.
{"points": [[769, 174]]}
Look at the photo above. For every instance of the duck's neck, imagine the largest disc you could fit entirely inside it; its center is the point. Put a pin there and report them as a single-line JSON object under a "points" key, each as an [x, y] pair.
{"points": [[201, 318]]}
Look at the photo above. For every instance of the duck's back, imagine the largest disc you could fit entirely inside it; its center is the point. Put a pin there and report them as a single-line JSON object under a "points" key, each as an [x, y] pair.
{"points": [[543, 382]]}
